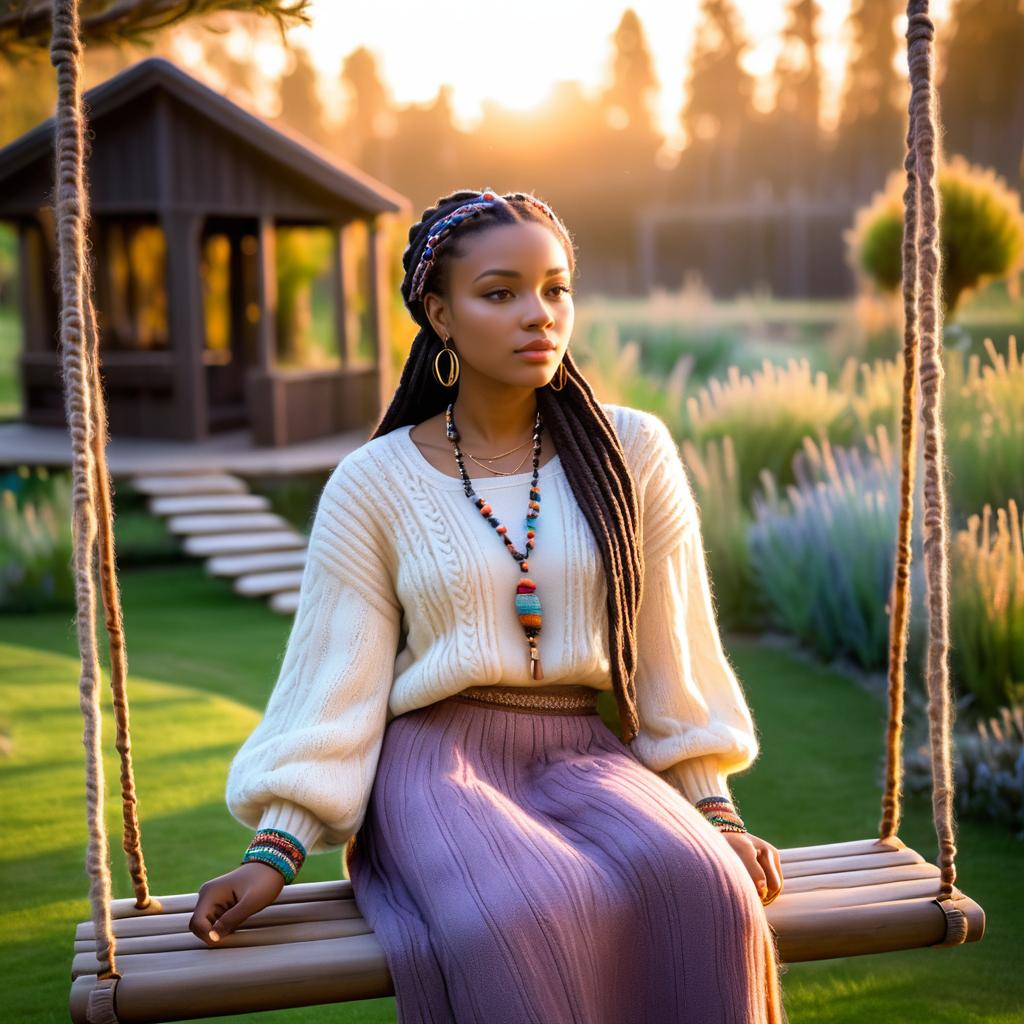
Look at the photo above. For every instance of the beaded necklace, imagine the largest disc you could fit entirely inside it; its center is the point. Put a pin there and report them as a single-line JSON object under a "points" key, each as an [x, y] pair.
{"points": [[527, 600]]}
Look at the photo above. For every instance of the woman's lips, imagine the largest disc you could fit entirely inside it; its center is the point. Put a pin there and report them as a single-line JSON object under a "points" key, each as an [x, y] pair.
{"points": [[535, 355]]}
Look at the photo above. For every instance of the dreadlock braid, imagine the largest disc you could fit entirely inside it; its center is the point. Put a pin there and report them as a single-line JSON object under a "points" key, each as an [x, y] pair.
{"points": [[584, 437]]}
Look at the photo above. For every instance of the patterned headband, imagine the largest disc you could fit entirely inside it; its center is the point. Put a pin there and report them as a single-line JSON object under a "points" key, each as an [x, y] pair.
{"points": [[447, 224]]}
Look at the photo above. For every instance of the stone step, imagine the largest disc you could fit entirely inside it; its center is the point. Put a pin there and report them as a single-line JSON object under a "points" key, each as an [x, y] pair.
{"points": [[205, 545], [260, 584], [191, 483], [285, 603], [193, 504], [271, 561], [243, 522]]}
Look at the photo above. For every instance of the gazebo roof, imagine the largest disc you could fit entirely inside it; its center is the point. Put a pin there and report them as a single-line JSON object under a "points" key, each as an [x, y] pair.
{"points": [[300, 156]]}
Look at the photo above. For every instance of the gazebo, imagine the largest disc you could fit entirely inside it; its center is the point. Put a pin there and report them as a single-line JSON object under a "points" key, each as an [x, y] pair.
{"points": [[240, 273]]}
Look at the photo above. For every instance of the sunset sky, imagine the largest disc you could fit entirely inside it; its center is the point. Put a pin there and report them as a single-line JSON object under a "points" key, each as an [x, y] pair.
{"points": [[515, 58]]}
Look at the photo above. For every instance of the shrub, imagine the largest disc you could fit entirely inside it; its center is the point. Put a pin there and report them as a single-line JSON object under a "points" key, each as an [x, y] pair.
{"points": [[35, 544], [824, 563], [767, 415], [981, 230], [725, 522], [988, 766], [985, 427], [988, 608]]}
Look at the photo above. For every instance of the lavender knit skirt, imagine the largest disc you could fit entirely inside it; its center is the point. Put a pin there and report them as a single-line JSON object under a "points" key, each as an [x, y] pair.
{"points": [[524, 866]]}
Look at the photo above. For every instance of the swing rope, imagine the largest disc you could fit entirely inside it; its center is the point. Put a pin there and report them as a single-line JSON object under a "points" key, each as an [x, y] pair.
{"points": [[922, 359], [92, 512]]}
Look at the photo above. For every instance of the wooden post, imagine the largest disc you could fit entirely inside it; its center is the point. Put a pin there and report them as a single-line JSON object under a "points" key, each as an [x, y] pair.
{"points": [[186, 324], [378, 306], [342, 308], [267, 287]]}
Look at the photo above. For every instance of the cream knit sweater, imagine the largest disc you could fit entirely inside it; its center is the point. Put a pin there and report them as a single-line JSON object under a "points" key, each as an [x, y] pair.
{"points": [[407, 598]]}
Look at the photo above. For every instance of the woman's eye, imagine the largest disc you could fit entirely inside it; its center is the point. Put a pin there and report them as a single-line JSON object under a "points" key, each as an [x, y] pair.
{"points": [[497, 291]]}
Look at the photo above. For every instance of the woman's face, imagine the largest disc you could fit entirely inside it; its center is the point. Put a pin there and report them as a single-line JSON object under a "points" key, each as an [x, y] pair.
{"points": [[511, 286]]}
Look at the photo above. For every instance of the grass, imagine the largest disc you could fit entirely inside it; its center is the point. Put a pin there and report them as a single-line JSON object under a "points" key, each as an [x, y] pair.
{"points": [[202, 665]]}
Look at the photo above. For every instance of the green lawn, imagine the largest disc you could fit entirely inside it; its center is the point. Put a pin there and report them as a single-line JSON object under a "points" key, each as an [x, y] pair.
{"points": [[202, 663]]}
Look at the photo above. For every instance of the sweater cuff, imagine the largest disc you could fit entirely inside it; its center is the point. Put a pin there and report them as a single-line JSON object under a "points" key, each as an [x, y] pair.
{"points": [[294, 820], [697, 778]]}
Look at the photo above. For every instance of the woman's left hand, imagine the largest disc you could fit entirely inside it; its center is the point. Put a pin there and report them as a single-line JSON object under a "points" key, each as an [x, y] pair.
{"points": [[761, 859]]}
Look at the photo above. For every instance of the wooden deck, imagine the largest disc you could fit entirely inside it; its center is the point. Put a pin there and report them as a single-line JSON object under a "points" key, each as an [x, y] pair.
{"points": [[229, 452]]}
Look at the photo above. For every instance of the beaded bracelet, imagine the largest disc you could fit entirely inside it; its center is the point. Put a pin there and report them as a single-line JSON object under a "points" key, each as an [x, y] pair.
{"points": [[721, 813], [279, 849]]}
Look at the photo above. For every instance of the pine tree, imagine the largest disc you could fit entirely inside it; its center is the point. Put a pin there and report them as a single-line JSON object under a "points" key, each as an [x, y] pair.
{"points": [[718, 107], [362, 136], [301, 107], [634, 83], [795, 120], [872, 121], [981, 86]]}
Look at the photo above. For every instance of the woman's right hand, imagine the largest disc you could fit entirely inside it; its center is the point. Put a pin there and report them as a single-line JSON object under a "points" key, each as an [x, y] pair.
{"points": [[225, 902]]}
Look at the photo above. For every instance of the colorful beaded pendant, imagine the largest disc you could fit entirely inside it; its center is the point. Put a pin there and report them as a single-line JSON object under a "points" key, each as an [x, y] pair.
{"points": [[527, 599]]}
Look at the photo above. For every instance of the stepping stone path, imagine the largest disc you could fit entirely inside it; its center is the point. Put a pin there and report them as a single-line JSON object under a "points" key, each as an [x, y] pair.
{"points": [[219, 520]]}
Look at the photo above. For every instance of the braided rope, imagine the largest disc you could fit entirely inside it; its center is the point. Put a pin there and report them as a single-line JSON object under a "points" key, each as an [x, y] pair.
{"points": [[92, 533], [921, 283]]}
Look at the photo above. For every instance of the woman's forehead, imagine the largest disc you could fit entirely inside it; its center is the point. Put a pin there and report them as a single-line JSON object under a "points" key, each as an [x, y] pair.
{"points": [[526, 248]]}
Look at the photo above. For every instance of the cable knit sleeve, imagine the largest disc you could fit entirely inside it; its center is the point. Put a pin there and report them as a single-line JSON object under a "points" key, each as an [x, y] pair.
{"points": [[309, 764], [695, 725]]}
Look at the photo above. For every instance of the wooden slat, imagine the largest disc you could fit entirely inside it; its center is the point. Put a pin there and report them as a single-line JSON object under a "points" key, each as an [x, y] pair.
{"points": [[867, 876], [859, 862], [248, 979], [132, 951], [296, 892], [855, 931], [276, 913], [861, 895], [854, 847]]}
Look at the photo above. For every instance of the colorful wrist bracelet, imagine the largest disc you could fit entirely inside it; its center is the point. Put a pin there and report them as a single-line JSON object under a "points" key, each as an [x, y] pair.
{"points": [[721, 813], [279, 849]]}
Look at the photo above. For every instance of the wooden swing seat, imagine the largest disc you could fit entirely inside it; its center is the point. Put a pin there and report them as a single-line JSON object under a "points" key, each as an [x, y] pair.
{"points": [[312, 946]]}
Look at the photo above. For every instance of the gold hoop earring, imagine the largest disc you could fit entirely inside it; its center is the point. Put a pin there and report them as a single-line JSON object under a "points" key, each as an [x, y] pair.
{"points": [[561, 374], [453, 365]]}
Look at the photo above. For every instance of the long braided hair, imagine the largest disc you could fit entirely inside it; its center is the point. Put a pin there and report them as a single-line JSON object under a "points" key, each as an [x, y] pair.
{"points": [[584, 437]]}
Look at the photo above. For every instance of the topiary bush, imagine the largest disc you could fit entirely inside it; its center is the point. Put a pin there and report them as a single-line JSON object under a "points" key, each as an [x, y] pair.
{"points": [[981, 230]]}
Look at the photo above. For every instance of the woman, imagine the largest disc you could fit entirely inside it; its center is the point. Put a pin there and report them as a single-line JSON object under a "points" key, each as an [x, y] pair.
{"points": [[435, 713]]}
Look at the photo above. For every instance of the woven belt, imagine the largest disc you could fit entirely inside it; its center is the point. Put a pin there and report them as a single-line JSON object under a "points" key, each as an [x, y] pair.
{"points": [[520, 698]]}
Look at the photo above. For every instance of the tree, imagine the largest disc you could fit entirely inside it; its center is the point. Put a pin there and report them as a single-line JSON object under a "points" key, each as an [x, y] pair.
{"points": [[797, 114], [633, 86], [873, 112], [370, 116], [719, 105], [301, 107], [982, 83]]}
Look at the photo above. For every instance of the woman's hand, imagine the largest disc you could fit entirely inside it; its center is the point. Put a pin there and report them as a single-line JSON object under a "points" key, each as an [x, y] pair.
{"points": [[761, 859], [225, 902]]}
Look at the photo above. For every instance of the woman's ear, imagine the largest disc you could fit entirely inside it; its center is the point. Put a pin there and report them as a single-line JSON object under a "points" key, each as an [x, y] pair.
{"points": [[433, 306]]}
